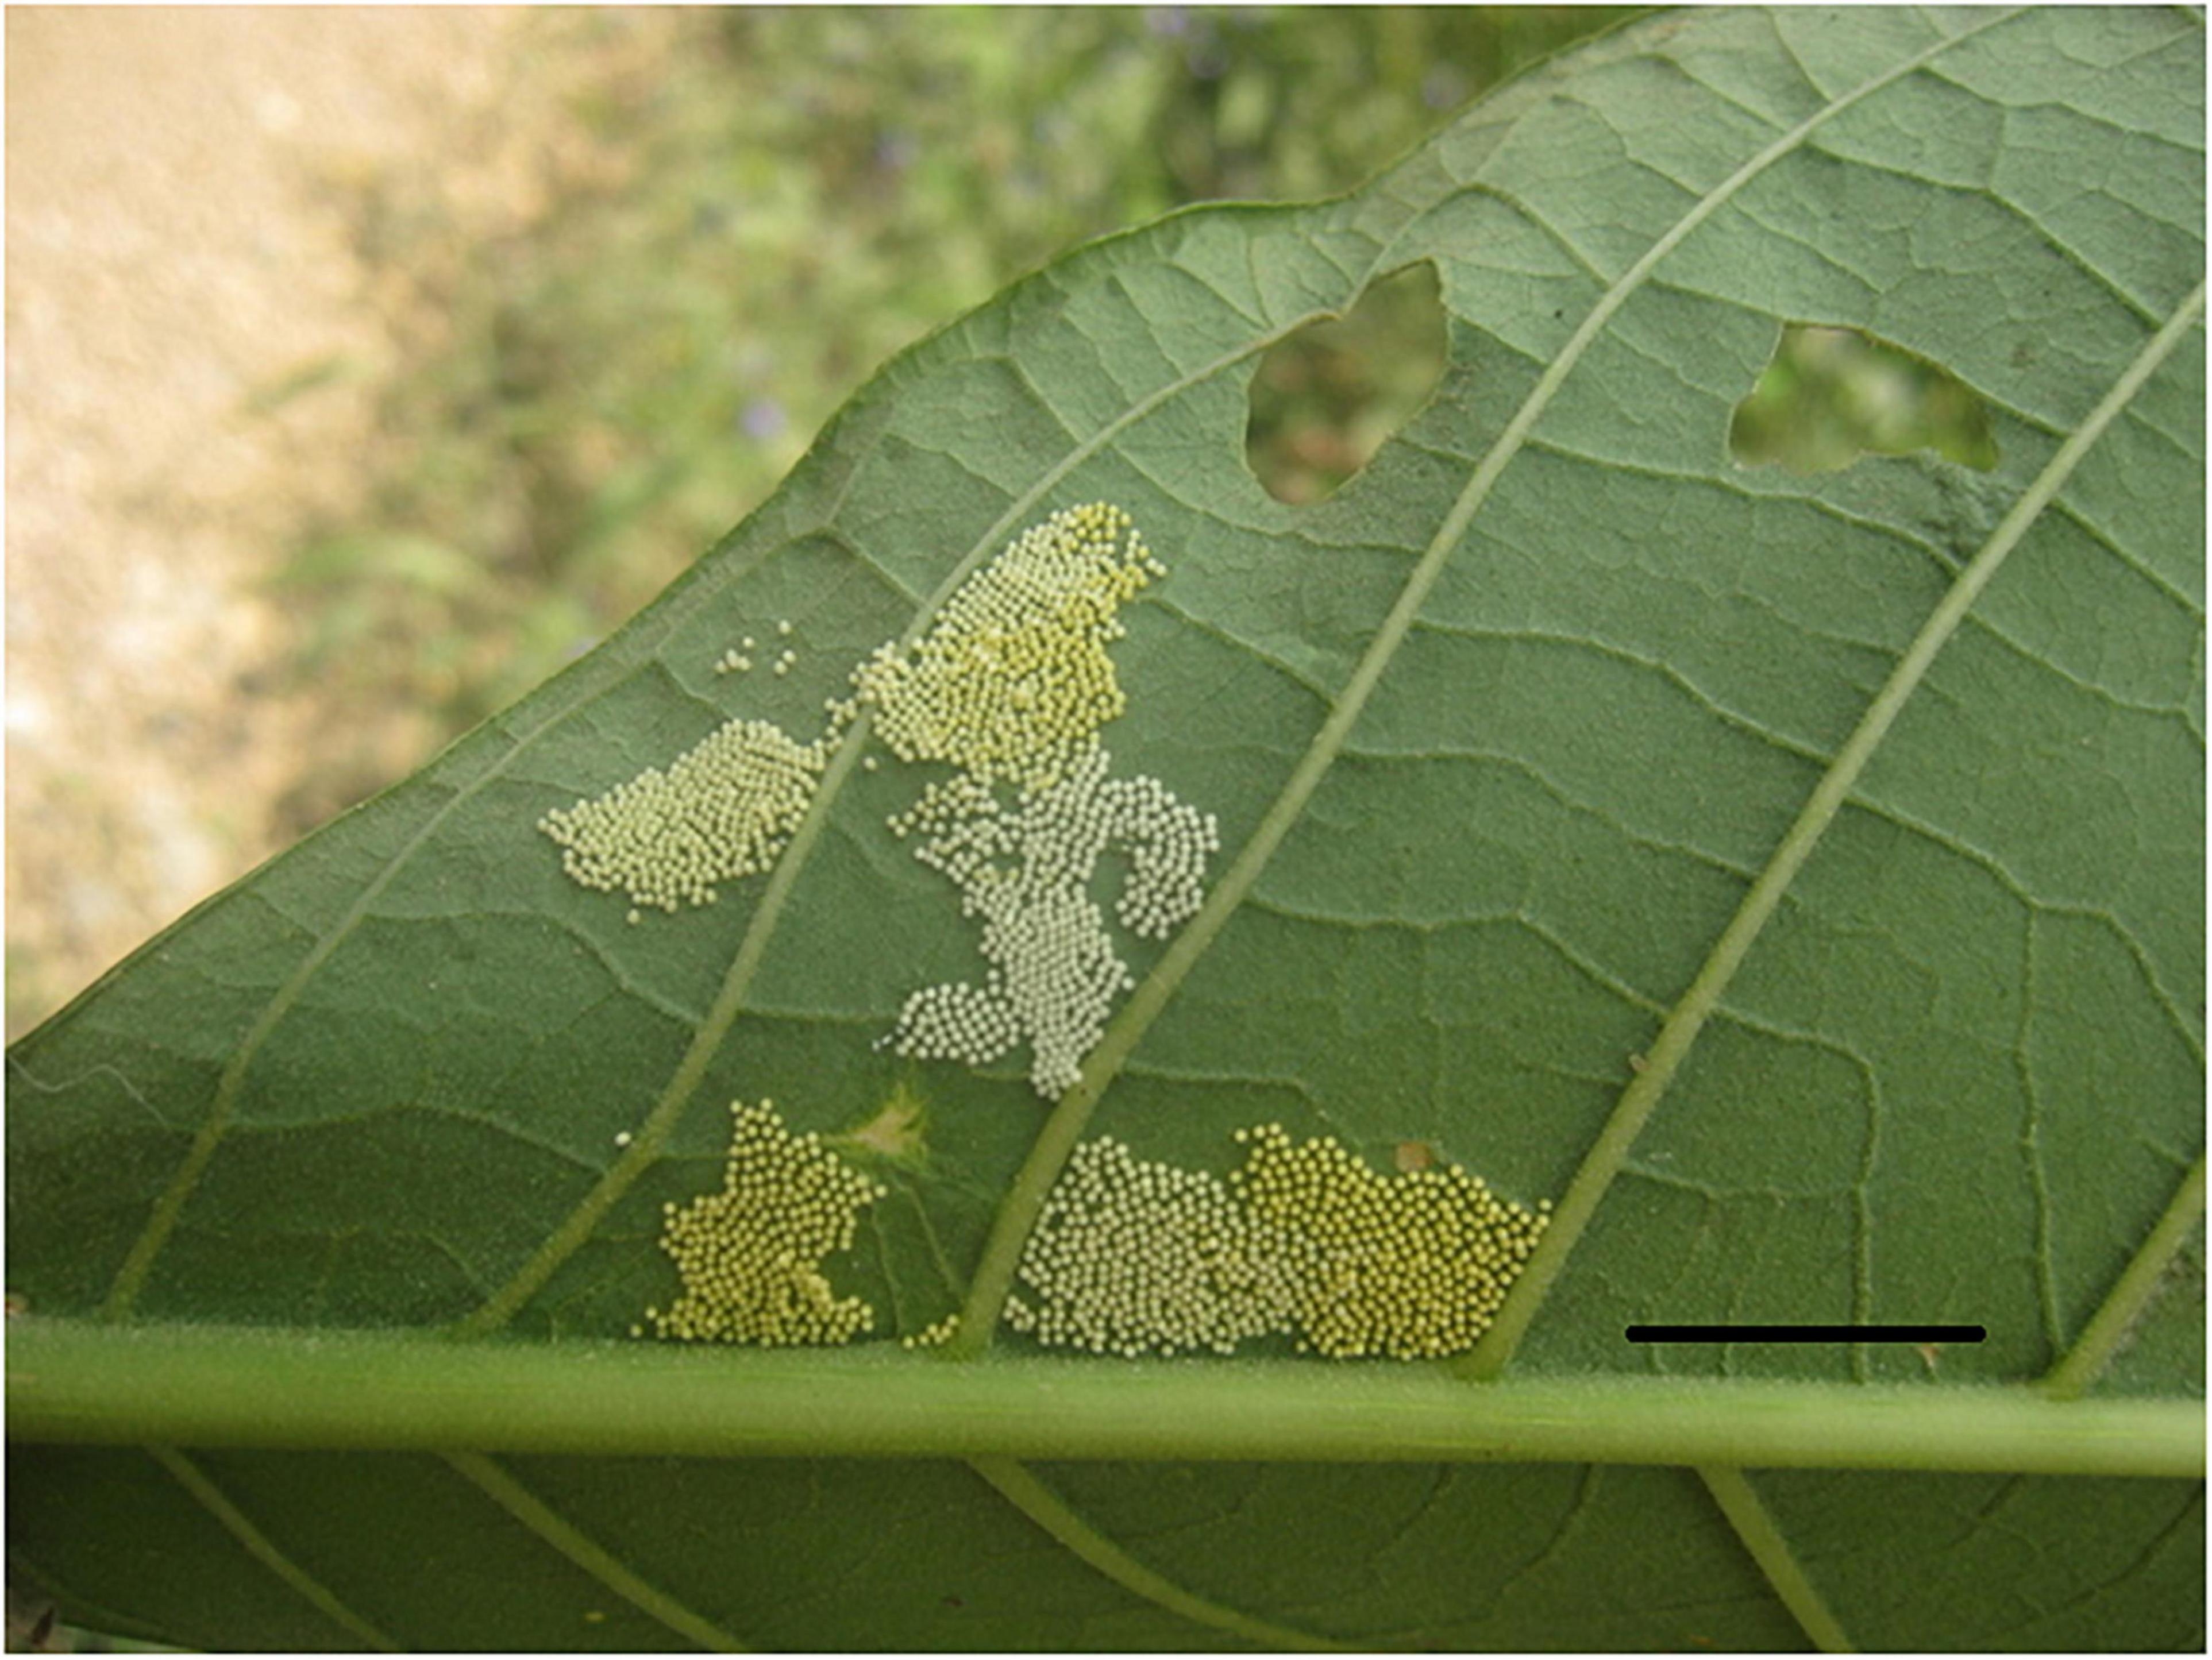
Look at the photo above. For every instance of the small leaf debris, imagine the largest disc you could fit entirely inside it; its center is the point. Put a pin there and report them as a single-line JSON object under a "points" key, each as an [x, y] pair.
{"points": [[894, 1131]]}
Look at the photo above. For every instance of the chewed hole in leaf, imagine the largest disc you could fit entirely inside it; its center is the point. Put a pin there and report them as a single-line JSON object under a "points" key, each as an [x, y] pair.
{"points": [[1325, 399], [1831, 396]]}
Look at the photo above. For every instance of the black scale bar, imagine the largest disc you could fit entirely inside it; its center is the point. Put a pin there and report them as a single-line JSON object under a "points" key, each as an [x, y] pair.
{"points": [[1808, 1334]]}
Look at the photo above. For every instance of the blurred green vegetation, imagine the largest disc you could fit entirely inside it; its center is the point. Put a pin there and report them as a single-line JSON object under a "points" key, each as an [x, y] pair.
{"points": [[776, 200], [1325, 399], [1831, 396]]}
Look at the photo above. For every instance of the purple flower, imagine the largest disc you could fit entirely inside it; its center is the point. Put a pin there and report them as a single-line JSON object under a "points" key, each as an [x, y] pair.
{"points": [[764, 419], [897, 151], [1443, 87]]}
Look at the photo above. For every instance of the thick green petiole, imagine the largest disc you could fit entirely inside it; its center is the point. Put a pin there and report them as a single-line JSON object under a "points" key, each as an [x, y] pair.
{"points": [[205, 1386]]}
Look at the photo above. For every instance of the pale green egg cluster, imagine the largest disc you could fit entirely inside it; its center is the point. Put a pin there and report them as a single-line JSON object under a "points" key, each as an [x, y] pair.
{"points": [[1025, 870], [721, 812], [1134, 1257], [750, 1256], [1012, 681]]}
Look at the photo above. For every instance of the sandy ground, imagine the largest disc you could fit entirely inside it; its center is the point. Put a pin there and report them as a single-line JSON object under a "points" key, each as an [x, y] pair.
{"points": [[175, 252]]}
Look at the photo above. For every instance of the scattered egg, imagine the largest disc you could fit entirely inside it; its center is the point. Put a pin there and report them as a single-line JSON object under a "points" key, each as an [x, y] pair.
{"points": [[931, 1336]]}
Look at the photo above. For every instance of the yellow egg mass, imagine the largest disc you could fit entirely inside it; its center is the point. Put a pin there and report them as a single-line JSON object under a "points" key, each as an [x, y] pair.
{"points": [[1012, 681], [750, 1256]]}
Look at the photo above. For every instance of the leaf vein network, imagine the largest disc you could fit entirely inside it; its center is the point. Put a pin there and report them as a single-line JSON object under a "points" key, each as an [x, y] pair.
{"points": [[1222, 635], [1600, 277], [264, 1549], [416, 1111], [585, 1553], [2111, 545], [623, 983], [2034, 904], [1767, 118], [1017, 1220], [1163, 1072], [2020, 213], [1674, 678], [1543, 780]]}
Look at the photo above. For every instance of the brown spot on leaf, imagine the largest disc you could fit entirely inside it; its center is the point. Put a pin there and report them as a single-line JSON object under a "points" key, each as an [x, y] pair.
{"points": [[895, 1130]]}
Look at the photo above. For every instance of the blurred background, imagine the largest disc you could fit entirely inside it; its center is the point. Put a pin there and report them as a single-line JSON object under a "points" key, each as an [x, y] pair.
{"points": [[365, 366]]}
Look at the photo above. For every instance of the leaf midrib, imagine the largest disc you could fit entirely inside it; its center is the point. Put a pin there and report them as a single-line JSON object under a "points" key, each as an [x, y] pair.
{"points": [[85, 1381]]}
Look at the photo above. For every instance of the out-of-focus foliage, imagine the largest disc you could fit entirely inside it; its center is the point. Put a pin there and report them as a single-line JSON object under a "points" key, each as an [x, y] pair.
{"points": [[774, 201], [1324, 400], [1833, 395]]}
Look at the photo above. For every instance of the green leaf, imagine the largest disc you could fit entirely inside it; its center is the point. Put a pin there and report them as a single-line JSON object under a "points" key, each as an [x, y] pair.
{"points": [[1798, 879]]}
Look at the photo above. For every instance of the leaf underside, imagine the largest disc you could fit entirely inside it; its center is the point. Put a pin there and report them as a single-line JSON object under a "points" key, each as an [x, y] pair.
{"points": [[1498, 737]]}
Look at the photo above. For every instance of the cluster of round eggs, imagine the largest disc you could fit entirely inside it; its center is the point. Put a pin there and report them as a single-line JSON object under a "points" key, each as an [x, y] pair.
{"points": [[1413, 1265], [1012, 681], [721, 812], [1169, 843], [1133, 1257], [1011, 685], [750, 1256], [1026, 872]]}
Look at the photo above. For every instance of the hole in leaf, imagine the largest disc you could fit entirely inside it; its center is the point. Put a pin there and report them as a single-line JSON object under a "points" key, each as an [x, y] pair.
{"points": [[1325, 399], [1831, 396]]}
